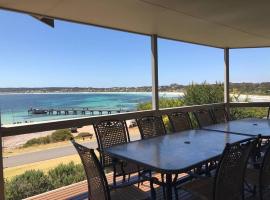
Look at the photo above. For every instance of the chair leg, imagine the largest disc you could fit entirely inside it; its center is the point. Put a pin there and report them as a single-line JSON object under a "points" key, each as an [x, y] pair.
{"points": [[163, 186], [176, 193], [128, 177], [114, 180], [153, 192], [261, 193]]}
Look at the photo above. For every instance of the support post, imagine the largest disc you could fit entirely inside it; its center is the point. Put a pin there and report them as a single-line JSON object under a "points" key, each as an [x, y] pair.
{"points": [[2, 181], [154, 50], [227, 80]]}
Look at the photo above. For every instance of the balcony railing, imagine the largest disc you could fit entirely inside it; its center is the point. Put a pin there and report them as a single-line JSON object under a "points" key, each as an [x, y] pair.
{"points": [[19, 129]]}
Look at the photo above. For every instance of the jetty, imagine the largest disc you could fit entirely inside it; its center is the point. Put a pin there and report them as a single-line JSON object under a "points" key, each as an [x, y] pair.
{"points": [[73, 111]]}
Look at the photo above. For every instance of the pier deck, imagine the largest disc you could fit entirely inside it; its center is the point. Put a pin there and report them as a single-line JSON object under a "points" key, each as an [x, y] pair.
{"points": [[72, 111]]}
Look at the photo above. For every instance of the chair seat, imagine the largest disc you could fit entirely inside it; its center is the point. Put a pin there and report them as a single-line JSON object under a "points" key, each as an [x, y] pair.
{"points": [[252, 176], [202, 188], [128, 193]]}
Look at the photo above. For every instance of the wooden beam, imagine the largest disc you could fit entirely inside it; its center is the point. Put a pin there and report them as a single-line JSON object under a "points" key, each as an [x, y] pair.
{"points": [[154, 50], [227, 79]]}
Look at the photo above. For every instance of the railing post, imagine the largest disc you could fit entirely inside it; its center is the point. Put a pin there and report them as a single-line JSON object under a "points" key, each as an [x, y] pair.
{"points": [[227, 80], [154, 50], [2, 182]]}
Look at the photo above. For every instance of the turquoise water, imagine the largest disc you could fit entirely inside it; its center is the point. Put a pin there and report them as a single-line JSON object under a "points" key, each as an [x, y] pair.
{"points": [[14, 107]]}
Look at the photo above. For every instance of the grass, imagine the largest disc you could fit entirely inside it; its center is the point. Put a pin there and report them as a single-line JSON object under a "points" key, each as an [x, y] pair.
{"points": [[42, 165]]}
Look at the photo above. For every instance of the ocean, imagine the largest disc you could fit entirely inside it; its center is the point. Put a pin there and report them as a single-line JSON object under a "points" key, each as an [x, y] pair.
{"points": [[14, 107]]}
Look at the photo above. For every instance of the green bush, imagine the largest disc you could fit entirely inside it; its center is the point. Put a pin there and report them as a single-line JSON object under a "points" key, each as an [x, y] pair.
{"points": [[36, 141], [35, 182], [64, 175], [56, 136], [240, 113], [197, 94], [163, 103], [28, 184], [61, 135]]}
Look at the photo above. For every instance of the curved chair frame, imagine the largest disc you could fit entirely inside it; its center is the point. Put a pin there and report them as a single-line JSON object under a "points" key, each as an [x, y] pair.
{"points": [[180, 121], [151, 126], [203, 117]]}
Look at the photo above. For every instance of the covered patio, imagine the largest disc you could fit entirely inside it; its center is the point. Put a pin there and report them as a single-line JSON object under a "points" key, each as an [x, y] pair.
{"points": [[224, 25]]}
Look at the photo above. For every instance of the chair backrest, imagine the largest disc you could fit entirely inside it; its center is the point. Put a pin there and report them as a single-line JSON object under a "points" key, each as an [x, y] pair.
{"points": [[180, 121], [97, 183], [203, 117], [268, 113], [264, 180], [220, 115], [108, 134], [229, 179], [151, 126]]}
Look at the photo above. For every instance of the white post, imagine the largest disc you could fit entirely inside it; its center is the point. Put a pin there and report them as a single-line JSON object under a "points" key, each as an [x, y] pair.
{"points": [[227, 79], [2, 182], [154, 49]]}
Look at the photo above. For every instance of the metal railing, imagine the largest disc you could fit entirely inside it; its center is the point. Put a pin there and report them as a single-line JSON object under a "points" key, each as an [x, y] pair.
{"points": [[19, 129]]}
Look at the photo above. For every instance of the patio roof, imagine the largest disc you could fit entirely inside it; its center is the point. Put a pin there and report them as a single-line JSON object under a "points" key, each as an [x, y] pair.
{"points": [[224, 24]]}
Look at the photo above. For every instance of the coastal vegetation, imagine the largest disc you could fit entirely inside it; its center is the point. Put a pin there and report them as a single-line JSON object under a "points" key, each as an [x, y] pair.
{"points": [[245, 88], [56, 136], [33, 182], [196, 94]]}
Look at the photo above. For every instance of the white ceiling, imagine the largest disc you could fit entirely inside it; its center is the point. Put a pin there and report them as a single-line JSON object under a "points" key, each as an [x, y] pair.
{"points": [[225, 24]]}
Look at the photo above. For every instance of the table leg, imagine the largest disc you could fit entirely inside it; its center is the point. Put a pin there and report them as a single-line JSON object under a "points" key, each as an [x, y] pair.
{"points": [[168, 186]]}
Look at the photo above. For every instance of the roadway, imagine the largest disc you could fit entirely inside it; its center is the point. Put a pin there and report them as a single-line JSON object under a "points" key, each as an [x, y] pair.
{"points": [[26, 158]]}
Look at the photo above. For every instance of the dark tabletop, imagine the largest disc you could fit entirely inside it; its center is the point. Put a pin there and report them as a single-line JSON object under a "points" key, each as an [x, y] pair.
{"points": [[250, 127], [175, 153]]}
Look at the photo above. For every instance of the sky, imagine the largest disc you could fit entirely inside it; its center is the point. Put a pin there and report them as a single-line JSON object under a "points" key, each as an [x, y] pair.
{"points": [[73, 55]]}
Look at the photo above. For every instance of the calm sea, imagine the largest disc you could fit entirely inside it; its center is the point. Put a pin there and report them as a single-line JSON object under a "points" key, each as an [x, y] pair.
{"points": [[14, 107]]}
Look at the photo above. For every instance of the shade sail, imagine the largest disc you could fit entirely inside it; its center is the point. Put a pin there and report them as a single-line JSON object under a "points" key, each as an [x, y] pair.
{"points": [[225, 24]]}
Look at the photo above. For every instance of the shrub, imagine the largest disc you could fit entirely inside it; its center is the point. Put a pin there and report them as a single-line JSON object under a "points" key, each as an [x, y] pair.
{"points": [[34, 182], [56, 136], [66, 174], [240, 113], [27, 184], [35, 141], [163, 103], [61, 135], [197, 94]]}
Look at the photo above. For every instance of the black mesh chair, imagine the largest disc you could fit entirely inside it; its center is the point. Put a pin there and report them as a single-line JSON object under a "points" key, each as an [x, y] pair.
{"points": [[180, 121], [228, 182], [108, 134], [203, 117], [151, 126], [220, 115], [260, 176], [98, 187]]}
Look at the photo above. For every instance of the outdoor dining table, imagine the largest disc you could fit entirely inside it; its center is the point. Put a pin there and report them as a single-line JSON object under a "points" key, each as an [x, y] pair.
{"points": [[249, 127], [175, 153]]}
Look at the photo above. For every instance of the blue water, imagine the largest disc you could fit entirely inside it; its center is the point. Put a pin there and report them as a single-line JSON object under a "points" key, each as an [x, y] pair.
{"points": [[14, 107]]}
